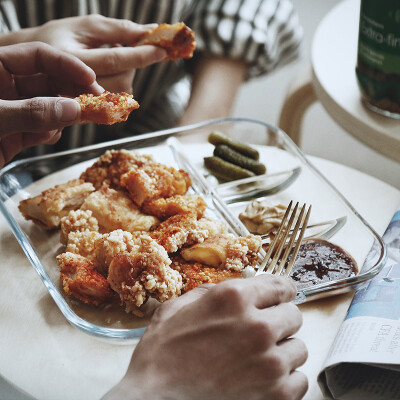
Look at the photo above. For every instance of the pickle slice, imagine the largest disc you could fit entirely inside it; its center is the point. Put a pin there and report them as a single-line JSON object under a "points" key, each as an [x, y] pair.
{"points": [[225, 170], [217, 138], [228, 154]]}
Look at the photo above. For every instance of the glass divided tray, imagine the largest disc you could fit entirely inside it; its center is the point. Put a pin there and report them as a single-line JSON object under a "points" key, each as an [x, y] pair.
{"points": [[289, 176]]}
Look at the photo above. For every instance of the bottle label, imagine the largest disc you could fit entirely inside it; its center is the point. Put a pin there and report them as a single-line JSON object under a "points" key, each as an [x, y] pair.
{"points": [[379, 35]]}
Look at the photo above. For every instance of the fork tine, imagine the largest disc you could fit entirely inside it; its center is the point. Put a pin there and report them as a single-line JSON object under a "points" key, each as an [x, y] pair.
{"points": [[297, 247], [291, 241], [275, 241], [283, 239]]}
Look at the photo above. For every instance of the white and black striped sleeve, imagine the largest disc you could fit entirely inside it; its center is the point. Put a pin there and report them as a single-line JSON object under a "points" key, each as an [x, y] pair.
{"points": [[263, 33]]}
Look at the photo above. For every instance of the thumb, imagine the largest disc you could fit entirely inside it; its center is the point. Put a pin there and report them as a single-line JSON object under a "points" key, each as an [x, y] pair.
{"points": [[37, 115]]}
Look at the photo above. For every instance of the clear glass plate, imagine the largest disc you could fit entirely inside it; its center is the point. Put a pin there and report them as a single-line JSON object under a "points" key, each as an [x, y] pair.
{"points": [[289, 177]]}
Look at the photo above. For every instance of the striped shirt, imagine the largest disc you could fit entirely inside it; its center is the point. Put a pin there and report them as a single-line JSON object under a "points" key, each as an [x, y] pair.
{"points": [[263, 33]]}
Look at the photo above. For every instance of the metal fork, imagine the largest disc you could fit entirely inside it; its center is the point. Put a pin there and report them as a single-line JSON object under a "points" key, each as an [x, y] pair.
{"points": [[286, 242]]}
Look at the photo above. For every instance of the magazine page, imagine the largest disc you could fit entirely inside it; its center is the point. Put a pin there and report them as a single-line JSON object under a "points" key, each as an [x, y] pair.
{"points": [[364, 360]]}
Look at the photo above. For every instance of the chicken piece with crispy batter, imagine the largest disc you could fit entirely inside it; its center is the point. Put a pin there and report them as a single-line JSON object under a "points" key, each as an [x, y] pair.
{"points": [[144, 272], [114, 209], [83, 243], [108, 108], [195, 274], [107, 246], [81, 280], [185, 229], [48, 208], [112, 165], [164, 208], [177, 39], [225, 251], [77, 221], [153, 181]]}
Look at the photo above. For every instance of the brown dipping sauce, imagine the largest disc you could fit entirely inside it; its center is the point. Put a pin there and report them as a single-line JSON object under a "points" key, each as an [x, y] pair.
{"points": [[320, 261]]}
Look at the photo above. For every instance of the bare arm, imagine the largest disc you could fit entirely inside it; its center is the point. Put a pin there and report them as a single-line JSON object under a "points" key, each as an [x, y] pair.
{"points": [[216, 81]]}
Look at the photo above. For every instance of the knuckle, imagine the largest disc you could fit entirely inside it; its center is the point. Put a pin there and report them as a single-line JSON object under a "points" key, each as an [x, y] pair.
{"points": [[282, 286], [95, 18], [230, 297], [37, 110], [276, 365], [126, 24], [261, 335], [111, 62]]}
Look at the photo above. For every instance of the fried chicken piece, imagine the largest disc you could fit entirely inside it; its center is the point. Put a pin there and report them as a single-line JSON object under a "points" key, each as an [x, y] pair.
{"points": [[51, 205], [142, 273], [107, 246], [114, 209], [153, 181], [225, 251], [112, 165], [195, 274], [177, 39], [108, 108], [164, 208], [83, 243], [185, 229], [77, 221], [81, 280]]}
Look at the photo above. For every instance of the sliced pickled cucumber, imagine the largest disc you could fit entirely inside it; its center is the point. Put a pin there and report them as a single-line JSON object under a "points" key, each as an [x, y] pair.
{"points": [[225, 170], [228, 154], [216, 138]]}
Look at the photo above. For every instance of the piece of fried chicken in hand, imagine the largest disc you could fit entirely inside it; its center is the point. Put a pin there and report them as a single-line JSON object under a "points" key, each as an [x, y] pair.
{"points": [[81, 280], [142, 273], [108, 108], [153, 181], [177, 39]]}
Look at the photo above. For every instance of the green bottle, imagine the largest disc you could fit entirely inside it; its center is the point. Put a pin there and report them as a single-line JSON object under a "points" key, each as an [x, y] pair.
{"points": [[378, 59]]}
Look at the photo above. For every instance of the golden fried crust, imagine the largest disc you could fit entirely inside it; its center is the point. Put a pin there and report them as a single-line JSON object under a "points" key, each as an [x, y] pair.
{"points": [[83, 243], [81, 280], [50, 206], [177, 39], [77, 221], [107, 246], [153, 181], [142, 273], [111, 165], [195, 274], [185, 230], [225, 251], [164, 208], [113, 209], [108, 108]]}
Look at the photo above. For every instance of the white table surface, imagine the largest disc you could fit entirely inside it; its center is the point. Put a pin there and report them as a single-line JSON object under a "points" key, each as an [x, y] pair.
{"points": [[80, 358], [333, 57]]}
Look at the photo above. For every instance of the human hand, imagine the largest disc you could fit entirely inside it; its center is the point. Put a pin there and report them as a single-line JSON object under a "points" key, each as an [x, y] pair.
{"points": [[36, 69], [86, 36], [226, 341]]}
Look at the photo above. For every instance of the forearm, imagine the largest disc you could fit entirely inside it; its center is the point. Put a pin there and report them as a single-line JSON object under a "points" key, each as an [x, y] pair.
{"points": [[215, 84]]}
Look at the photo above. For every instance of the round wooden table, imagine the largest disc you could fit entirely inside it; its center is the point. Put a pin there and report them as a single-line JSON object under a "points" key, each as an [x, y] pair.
{"points": [[49, 359], [332, 81]]}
